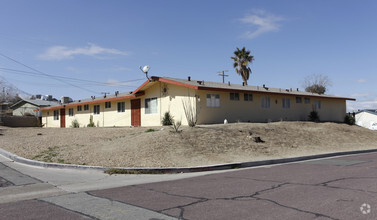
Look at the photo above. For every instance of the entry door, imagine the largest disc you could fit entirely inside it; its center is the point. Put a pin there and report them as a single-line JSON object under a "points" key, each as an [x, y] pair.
{"points": [[62, 118], [135, 113]]}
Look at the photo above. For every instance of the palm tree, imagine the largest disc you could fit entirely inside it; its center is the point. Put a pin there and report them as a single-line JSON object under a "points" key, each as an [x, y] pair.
{"points": [[242, 59]]}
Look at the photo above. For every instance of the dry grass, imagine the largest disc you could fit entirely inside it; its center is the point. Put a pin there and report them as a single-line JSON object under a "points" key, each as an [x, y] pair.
{"points": [[203, 145]]}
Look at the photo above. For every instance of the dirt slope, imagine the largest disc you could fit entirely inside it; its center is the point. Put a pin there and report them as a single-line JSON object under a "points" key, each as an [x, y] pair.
{"points": [[203, 145]]}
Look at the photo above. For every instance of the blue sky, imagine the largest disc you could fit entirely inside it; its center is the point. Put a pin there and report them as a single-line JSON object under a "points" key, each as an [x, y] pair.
{"points": [[105, 42]]}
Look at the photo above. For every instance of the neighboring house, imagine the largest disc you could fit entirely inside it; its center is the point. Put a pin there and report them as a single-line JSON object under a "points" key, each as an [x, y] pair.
{"points": [[210, 102], [26, 107], [367, 118], [4, 107]]}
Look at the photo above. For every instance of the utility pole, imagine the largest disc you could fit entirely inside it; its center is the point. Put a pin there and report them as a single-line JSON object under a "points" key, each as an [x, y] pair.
{"points": [[223, 74]]}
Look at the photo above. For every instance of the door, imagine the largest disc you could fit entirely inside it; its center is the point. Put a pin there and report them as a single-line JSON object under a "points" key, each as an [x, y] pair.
{"points": [[135, 113], [62, 118]]}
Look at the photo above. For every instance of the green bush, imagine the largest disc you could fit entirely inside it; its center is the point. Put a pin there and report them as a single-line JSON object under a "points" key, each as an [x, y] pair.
{"points": [[313, 116], [75, 124], [167, 119], [349, 119], [91, 123], [149, 130]]}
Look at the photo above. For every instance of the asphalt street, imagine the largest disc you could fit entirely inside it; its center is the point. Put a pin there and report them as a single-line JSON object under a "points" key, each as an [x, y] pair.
{"points": [[333, 188]]}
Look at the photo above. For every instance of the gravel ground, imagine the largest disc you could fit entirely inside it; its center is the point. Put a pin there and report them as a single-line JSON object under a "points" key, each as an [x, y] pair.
{"points": [[202, 145]]}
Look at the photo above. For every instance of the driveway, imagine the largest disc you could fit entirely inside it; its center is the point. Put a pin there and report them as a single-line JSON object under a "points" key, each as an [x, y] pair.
{"points": [[334, 188]]}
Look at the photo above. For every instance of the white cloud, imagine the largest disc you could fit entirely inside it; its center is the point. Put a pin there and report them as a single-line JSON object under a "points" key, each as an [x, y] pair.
{"points": [[113, 82], [264, 22], [63, 52], [361, 80], [360, 95], [117, 69], [358, 105]]}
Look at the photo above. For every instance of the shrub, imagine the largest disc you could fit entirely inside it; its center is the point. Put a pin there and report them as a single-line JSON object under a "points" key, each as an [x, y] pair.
{"points": [[168, 119], [176, 126], [349, 119], [91, 123], [313, 116], [75, 124], [149, 130]]}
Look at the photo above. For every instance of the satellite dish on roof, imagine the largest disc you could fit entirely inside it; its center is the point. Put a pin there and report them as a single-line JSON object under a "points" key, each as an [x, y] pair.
{"points": [[145, 70]]}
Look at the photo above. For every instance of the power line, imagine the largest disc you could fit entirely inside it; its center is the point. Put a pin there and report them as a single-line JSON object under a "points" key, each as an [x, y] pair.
{"points": [[54, 77], [22, 72], [223, 74], [10, 84]]}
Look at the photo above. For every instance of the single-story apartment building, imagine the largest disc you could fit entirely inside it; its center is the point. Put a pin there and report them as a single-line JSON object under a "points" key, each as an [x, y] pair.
{"points": [[209, 102], [367, 118]]}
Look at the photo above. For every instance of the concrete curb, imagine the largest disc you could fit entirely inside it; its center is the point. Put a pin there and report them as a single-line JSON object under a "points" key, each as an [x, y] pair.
{"points": [[182, 169], [19, 159]]}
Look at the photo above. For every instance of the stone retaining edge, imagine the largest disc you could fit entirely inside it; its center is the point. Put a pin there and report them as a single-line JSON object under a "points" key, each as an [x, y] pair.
{"points": [[182, 169]]}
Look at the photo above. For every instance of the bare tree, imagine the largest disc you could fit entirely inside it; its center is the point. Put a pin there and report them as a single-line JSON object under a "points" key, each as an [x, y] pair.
{"points": [[316, 83], [8, 93]]}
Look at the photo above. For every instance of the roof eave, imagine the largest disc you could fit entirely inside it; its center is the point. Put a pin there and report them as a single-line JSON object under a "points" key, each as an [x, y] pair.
{"points": [[273, 93], [92, 102]]}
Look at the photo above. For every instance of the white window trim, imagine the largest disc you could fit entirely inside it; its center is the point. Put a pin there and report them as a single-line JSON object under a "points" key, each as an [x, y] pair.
{"points": [[123, 107], [95, 110], [69, 112], [234, 96], [213, 101], [286, 103], [265, 102], [248, 95], [56, 116], [151, 109]]}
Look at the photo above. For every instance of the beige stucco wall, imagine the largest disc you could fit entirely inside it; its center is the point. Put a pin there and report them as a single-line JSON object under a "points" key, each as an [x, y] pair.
{"points": [[108, 117], [172, 101], [48, 119], [233, 111]]}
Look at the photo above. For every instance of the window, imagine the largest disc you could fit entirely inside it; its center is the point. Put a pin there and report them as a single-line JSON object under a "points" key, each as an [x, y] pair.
{"points": [[121, 106], [265, 101], [317, 104], [70, 112], [86, 107], [234, 96], [79, 108], [150, 105], [286, 103], [307, 100], [107, 104], [298, 100], [56, 114], [96, 110], [248, 97], [213, 100]]}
